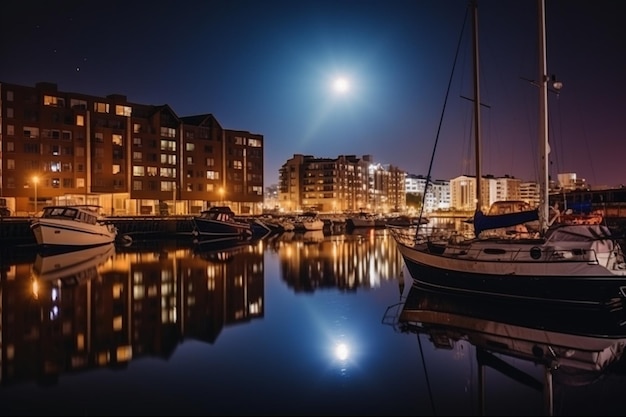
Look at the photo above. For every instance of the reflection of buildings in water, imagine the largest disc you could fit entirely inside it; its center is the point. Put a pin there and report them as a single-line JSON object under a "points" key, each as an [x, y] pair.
{"points": [[137, 303], [347, 261]]}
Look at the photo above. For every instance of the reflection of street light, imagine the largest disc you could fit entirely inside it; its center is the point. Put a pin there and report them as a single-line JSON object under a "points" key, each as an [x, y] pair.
{"points": [[221, 196], [35, 181]]}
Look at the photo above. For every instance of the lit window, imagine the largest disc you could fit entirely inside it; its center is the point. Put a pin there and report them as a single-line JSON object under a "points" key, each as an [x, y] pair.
{"points": [[123, 110], [101, 107]]}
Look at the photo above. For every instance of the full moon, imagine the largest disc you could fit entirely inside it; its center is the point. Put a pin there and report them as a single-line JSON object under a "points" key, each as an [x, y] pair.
{"points": [[341, 85]]}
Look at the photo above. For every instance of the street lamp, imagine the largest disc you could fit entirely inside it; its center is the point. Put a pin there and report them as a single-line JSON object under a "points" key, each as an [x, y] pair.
{"points": [[221, 196], [35, 181]]}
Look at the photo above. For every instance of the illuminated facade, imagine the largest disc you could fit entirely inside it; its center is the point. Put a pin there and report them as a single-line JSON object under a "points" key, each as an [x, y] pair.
{"points": [[60, 147], [343, 184]]}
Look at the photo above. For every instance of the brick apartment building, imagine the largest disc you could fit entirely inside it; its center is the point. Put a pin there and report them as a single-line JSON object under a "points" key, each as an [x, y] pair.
{"points": [[129, 158]]}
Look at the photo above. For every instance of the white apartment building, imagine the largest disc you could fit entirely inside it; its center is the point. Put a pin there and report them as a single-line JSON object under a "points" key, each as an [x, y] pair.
{"points": [[438, 195]]}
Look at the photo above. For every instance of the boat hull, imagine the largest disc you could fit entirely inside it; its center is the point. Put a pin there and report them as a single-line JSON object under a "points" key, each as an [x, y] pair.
{"points": [[565, 283], [69, 233], [208, 228]]}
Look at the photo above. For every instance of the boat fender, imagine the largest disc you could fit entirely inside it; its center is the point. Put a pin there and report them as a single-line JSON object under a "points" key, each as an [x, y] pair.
{"points": [[535, 252]]}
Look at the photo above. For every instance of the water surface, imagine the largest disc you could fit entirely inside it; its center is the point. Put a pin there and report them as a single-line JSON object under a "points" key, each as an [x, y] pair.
{"points": [[297, 324]]}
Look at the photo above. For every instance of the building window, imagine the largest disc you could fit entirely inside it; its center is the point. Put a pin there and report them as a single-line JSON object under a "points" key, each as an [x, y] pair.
{"points": [[210, 162], [138, 171], [66, 135], [101, 107], [117, 139], [168, 185], [68, 183], [136, 128], [10, 147], [168, 145], [10, 164], [123, 110], [210, 187], [190, 160], [168, 159], [80, 120], [78, 104], [212, 175], [168, 132], [99, 137], [237, 165], [190, 146], [9, 95], [137, 185], [53, 101], [137, 142], [80, 183], [31, 132], [168, 172], [151, 171], [117, 169], [10, 130], [55, 183], [10, 112], [137, 156], [254, 143]]}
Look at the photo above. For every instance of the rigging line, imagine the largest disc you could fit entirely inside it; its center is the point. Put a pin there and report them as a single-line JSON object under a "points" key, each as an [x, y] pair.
{"points": [[443, 110]]}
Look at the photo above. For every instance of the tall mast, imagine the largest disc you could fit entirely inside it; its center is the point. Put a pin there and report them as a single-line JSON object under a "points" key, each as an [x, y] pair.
{"points": [[477, 139], [544, 148]]}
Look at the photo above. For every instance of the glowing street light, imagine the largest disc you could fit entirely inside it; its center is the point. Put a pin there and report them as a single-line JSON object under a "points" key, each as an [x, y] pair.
{"points": [[221, 196], [35, 181]]}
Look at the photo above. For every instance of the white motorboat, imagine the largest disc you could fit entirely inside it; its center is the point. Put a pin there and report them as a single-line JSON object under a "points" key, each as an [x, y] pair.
{"points": [[72, 226]]}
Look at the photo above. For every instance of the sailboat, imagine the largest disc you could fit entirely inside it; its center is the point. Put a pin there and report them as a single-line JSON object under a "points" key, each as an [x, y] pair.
{"points": [[566, 264], [579, 351]]}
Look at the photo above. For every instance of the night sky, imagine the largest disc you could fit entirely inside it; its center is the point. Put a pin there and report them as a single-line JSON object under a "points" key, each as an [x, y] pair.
{"points": [[268, 67]]}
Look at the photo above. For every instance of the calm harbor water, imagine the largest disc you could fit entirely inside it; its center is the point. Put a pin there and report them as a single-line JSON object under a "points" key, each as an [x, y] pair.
{"points": [[297, 324]]}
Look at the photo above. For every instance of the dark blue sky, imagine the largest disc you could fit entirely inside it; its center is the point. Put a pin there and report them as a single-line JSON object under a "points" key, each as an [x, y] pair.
{"points": [[267, 67]]}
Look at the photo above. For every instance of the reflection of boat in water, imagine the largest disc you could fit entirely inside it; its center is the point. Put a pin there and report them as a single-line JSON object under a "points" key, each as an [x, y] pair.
{"points": [[572, 347], [72, 267], [313, 236], [220, 253]]}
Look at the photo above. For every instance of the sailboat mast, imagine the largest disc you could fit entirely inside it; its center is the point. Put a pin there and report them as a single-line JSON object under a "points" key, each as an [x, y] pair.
{"points": [[477, 139], [544, 148]]}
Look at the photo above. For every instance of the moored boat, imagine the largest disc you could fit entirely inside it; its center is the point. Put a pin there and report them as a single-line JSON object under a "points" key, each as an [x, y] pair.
{"points": [[578, 264], [72, 226], [220, 222]]}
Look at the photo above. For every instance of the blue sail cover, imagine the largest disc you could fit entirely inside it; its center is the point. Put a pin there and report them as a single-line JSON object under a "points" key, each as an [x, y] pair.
{"points": [[486, 222]]}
